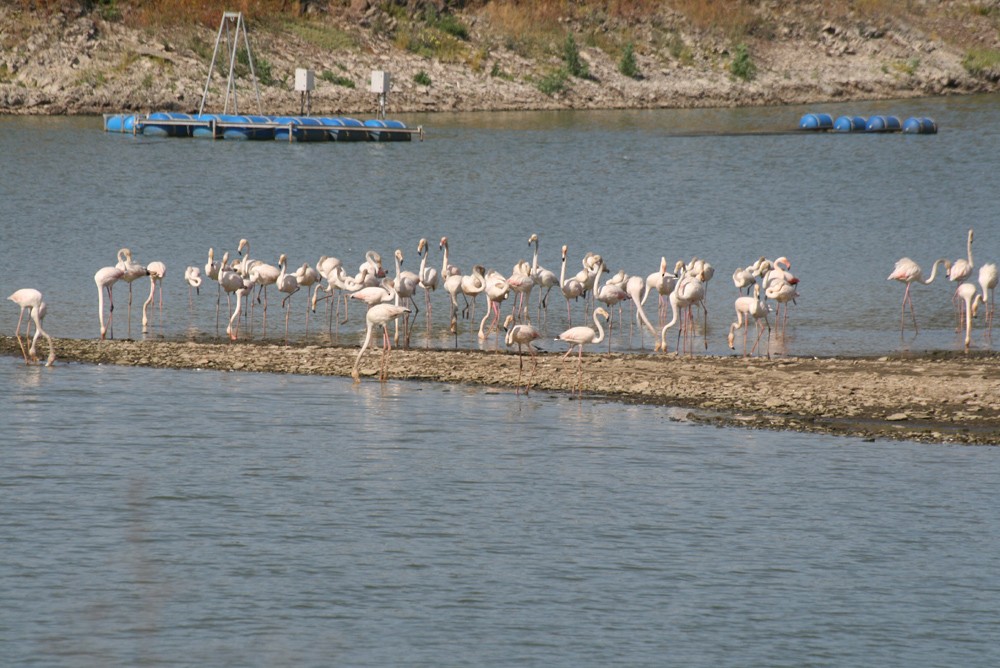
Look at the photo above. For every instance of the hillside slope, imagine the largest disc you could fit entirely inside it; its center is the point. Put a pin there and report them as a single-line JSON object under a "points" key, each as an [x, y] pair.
{"points": [[505, 56]]}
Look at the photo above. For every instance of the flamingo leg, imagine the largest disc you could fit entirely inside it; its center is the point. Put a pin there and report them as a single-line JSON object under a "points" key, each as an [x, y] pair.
{"points": [[17, 334]]}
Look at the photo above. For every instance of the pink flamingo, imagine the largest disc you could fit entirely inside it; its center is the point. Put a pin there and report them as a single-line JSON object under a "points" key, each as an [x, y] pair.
{"points": [[157, 270], [988, 282], [580, 336], [909, 272], [522, 335], [379, 315], [105, 278], [288, 285], [750, 307], [970, 300], [131, 270], [428, 277], [571, 287], [31, 300]]}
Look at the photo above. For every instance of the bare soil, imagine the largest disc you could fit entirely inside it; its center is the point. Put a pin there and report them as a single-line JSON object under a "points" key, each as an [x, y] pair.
{"points": [[936, 397]]}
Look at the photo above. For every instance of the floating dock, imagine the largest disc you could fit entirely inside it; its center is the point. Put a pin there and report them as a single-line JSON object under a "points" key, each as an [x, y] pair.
{"points": [[258, 127], [874, 124]]}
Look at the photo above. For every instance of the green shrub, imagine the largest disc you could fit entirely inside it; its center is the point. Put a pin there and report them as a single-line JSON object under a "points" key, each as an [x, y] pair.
{"points": [[627, 65], [981, 61], [571, 56], [553, 82], [742, 66], [421, 78], [336, 79]]}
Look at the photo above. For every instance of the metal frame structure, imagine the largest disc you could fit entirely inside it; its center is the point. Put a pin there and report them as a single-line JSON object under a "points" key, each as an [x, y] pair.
{"points": [[232, 25]]}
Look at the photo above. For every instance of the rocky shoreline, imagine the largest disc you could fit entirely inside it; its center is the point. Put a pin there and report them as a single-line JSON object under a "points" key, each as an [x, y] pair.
{"points": [[933, 398], [76, 62]]}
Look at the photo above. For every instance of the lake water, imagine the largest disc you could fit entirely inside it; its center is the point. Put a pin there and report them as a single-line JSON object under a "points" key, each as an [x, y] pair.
{"points": [[184, 518]]}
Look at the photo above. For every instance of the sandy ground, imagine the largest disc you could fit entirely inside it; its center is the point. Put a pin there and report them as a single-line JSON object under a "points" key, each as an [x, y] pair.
{"points": [[938, 397]]}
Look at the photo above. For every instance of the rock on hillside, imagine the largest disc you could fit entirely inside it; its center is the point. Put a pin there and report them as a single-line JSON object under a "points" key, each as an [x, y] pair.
{"points": [[78, 63]]}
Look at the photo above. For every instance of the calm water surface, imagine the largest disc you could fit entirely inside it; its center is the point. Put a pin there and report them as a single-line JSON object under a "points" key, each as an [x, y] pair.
{"points": [[185, 518]]}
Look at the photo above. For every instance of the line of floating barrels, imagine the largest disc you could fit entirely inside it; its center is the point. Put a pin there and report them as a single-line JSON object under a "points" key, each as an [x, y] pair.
{"points": [[911, 126], [253, 127]]}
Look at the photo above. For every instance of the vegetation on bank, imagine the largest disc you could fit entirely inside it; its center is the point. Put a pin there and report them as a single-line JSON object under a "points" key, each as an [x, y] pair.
{"points": [[554, 37]]}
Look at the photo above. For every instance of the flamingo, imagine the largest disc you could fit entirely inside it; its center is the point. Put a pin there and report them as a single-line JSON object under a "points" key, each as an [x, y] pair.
{"points": [[306, 277], [544, 278], [262, 275], [909, 272], [287, 284], [522, 335], [381, 315], [634, 287], [571, 288], [750, 307], [782, 293], [131, 270], [689, 292], [230, 281], [988, 282], [579, 337], [192, 276], [428, 276], [447, 269], [663, 283], [611, 294], [31, 300], [497, 290], [157, 270], [472, 285], [105, 278], [406, 283], [522, 282], [962, 268], [744, 277], [373, 265], [372, 296], [971, 299], [212, 272]]}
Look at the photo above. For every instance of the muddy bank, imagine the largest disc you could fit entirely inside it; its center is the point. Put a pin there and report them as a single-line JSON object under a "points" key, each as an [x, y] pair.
{"points": [[938, 397]]}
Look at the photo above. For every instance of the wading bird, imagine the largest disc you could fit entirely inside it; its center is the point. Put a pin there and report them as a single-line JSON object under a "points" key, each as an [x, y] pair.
{"points": [[29, 299]]}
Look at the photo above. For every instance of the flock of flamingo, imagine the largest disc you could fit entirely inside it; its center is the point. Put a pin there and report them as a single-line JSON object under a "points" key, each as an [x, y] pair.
{"points": [[391, 299], [967, 297]]}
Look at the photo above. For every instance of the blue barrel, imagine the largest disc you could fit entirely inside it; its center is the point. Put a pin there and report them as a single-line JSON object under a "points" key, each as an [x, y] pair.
{"points": [[883, 124], [152, 129], [120, 123], [816, 122], [919, 126], [206, 131], [374, 130], [347, 129], [299, 128], [850, 124]]}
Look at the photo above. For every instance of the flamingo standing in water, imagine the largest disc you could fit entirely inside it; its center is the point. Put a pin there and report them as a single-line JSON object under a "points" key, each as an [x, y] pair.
{"points": [[428, 277], [31, 300], [960, 270], [497, 290], [689, 292], [379, 315], [192, 276], [909, 272], [232, 282], [105, 278], [544, 279], [212, 273], [988, 282], [306, 277], [288, 285], [750, 307], [579, 337], [157, 270], [571, 287], [970, 301], [522, 335], [131, 270]]}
